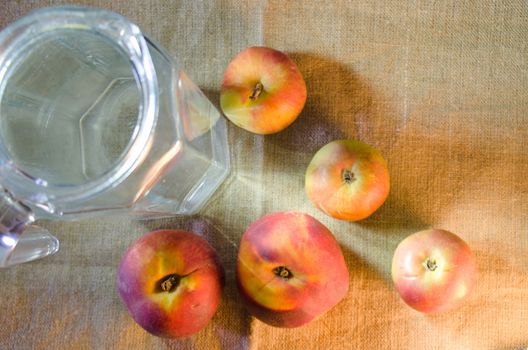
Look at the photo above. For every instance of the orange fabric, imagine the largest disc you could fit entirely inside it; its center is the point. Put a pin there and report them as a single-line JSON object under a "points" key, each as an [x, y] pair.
{"points": [[439, 87]]}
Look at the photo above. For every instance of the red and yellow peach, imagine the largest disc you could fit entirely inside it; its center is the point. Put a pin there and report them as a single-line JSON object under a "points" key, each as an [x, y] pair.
{"points": [[347, 179], [290, 269], [433, 270], [262, 90], [171, 282]]}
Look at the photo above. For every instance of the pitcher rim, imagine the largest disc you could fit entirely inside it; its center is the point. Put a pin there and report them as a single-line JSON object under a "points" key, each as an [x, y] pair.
{"points": [[131, 41]]}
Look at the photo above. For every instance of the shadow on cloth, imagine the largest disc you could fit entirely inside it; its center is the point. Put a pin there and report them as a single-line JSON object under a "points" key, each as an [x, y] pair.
{"points": [[335, 97]]}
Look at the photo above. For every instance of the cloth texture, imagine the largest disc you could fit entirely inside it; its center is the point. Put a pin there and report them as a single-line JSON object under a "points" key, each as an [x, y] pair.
{"points": [[439, 87]]}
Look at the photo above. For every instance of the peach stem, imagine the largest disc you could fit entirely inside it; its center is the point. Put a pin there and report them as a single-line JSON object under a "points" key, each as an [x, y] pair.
{"points": [[430, 264], [283, 272], [170, 283], [348, 176], [257, 90]]}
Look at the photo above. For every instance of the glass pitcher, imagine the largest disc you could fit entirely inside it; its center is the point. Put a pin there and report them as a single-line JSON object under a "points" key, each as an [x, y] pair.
{"points": [[95, 118]]}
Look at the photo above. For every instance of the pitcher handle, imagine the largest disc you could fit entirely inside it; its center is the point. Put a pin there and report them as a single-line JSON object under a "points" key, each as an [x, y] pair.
{"points": [[20, 241]]}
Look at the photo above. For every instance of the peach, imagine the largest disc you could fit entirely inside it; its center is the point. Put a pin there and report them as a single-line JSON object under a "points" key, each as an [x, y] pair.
{"points": [[433, 270], [171, 282], [262, 90], [290, 269], [347, 179]]}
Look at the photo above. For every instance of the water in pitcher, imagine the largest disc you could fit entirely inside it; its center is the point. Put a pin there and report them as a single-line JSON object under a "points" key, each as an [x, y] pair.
{"points": [[69, 113], [70, 108]]}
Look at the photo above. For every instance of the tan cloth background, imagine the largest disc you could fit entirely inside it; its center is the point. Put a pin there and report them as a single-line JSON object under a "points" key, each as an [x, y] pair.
{"points": [[440, 87]]}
